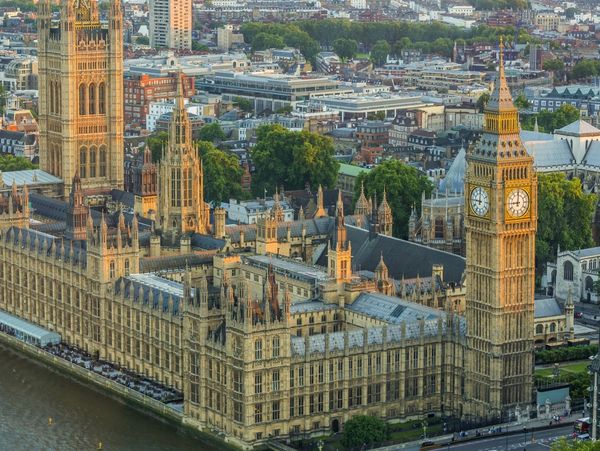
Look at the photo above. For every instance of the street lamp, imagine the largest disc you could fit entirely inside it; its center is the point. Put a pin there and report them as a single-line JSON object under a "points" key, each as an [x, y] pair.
{"points": [[595, 369]]}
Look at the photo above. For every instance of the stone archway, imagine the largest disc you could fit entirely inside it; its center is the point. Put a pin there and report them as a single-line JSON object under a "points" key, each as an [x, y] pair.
{"points": [[335, 426]]}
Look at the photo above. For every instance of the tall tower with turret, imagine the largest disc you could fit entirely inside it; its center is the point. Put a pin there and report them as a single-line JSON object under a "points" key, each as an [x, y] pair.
{"points": [[501, 199], [340, 250], [81, 94], [181, 201]]}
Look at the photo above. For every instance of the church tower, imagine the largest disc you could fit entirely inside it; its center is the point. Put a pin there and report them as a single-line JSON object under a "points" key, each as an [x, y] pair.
{"points": [[501, 199], [181, 201], [81, 94]]}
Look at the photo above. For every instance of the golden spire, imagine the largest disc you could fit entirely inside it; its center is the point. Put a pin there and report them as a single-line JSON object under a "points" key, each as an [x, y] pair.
{"points": [[501, 115]]}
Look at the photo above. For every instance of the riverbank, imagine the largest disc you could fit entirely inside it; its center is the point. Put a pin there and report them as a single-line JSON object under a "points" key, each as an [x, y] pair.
{"points": [[124, 395]]}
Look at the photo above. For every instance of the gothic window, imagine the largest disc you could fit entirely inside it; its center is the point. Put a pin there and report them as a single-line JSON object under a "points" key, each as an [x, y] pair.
{"points": [[258, 350], [127, 267], [83, 162], [92, 99], [102, 161], [52, 97], [539, 329], [93, 158], [82, 99], [439, 227], [589, 283], [111, 273], [553, 327], [275, 347], [101, 99], [57, 97], [568, 271]]}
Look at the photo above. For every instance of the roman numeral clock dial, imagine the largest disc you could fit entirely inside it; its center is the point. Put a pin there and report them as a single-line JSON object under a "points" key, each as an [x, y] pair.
{"points": [[480, 201], [517, 203]]}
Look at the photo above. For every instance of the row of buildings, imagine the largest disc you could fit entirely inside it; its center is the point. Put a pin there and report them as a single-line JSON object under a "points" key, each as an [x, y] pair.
{"points": [[276, 328]]}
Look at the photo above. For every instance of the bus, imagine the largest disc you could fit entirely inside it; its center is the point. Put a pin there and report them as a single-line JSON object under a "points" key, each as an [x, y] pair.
{"points": [[582, 426]]}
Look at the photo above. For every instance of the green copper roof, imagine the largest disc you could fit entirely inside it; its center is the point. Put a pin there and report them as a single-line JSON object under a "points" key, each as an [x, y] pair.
{"points": [[351, 170]]}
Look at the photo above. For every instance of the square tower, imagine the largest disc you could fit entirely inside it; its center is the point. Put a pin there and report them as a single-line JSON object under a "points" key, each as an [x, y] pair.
{"points": [[501, 221], [81, 94]]}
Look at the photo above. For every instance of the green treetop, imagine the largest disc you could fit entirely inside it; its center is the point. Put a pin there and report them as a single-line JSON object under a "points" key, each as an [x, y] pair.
{"points": [[291, 159], [404, 186]]}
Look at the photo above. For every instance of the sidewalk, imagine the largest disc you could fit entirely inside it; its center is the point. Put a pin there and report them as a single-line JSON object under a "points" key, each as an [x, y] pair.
{"points": [[507, 428]]}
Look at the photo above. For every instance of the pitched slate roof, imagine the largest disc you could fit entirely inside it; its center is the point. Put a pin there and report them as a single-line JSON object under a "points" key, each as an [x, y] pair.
{"points": [[403, 258], [578, 128], [546, 307]]}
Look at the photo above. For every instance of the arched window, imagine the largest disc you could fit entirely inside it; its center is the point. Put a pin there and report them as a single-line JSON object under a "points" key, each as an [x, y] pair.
{"points": [[101, 99], [92, 99], [82, 99], [102, 170], [439, 227], [112, 269], [83, 162], [52, 97], [589, 283], [568, 271], [127, 267], [552, 327], [57, 97], [93, 159], [553, 276], [539, 329]]}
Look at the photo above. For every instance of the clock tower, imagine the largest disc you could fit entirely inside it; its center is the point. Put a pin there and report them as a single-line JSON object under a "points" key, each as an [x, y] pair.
{"points": [[501, 207]]}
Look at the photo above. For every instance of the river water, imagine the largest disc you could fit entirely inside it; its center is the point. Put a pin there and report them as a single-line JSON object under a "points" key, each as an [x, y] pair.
{"points": [[81, 417]]}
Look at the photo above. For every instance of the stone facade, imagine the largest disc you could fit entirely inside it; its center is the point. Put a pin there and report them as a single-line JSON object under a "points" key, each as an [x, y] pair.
{"points": [[501, 194], [81, 95]]}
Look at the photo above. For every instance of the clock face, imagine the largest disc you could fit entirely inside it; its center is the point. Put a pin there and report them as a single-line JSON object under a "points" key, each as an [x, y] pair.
{"points": [[480, 201], [517, 202]]}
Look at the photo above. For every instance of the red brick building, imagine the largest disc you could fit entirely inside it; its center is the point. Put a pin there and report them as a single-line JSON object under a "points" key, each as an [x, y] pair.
{"points": [[372, 136], [141, 89]]}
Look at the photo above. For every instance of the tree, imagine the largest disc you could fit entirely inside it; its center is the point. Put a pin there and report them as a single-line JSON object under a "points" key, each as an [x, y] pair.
{"points": [[363, 430], [222, 174], [404, 186], [549, 121], [482, 101], [345, 48], [263, 41], [198, 47], [521, 102], [570, 13], [11, 163], [379, 52], [554, 65], [244, 104], [142, 40], [563, 444], [156, 142], [585, 69], [211, 132], [565, 216], [291, 159]]}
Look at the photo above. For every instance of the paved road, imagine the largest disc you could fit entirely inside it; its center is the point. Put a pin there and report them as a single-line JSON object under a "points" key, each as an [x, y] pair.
{"points": [[542, 441]]}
